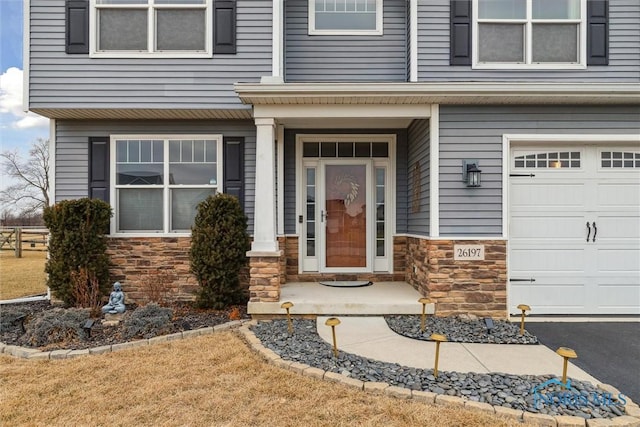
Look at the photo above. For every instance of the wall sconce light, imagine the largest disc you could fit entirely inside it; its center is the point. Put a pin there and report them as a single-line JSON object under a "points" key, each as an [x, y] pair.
{"points": [[471, 173]]}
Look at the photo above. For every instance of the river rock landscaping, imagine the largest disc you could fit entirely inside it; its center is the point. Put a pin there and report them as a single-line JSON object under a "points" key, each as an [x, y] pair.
{"points": [[49, 327], [511, 391], [460, 329]]}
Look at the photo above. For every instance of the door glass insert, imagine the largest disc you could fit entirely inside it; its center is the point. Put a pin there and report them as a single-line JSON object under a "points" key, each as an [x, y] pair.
{"points": [[380, 217], [311, 212], [346, 215]]}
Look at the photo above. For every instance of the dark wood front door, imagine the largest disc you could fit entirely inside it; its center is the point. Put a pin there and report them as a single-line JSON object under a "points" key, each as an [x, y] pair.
{"points": [[346, 215]]}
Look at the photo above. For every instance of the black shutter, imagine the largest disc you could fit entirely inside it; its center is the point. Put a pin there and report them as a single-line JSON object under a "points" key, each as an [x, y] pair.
{"points": [[224, 26], [77, 26], [99, 168], [460, 33], [233, 166], [597, 32]]}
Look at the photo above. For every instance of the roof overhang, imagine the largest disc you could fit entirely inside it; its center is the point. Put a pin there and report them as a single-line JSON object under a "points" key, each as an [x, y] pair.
{"points": [[438, 93], [243, 113]]}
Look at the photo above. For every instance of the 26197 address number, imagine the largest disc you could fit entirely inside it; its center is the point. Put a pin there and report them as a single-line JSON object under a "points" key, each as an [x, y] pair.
{"points": [[468, 252]]}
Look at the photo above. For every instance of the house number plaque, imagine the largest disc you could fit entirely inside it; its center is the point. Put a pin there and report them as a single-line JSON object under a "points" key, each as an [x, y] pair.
{"points": [[468, 252]]}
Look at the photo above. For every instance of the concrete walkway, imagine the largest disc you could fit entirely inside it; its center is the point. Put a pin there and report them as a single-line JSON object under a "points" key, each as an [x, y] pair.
{"points": [[371, 337]]}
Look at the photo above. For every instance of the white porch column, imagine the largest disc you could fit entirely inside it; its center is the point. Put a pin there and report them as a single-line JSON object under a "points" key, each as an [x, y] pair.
{"points": [[264, 219]]}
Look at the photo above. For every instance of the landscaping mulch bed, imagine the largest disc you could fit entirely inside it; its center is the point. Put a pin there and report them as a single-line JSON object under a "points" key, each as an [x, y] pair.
{"points": [[184, 317]]}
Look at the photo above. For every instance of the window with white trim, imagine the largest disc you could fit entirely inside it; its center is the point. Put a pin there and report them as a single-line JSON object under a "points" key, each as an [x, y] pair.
{"points": [[152, 27], [345, 17], [529, 33], [159, 181]]}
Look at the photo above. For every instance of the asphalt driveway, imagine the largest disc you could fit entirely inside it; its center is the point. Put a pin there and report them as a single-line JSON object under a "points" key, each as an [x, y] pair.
{"points": [[609, 351]]}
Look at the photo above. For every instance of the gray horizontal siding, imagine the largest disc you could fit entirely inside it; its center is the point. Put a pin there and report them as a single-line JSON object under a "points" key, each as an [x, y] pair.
{"points": [[475, 132], [72, 149], [60, 80], [345, 58], [624, 45], [419, 138]]}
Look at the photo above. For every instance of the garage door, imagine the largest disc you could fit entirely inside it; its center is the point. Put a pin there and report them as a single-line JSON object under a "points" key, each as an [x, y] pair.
{"points": [[574, 229]]}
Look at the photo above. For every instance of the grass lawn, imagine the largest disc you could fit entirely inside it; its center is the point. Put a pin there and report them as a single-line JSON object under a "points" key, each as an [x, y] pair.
{"points": [[21, 277], [212, 380]]}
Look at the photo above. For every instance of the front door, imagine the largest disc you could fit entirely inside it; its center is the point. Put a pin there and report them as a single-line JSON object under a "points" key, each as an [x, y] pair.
{"points": [[345, 203], [345, 215]]}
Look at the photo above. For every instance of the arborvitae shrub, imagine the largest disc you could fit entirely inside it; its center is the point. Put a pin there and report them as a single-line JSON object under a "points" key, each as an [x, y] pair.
{"points": [[219, 243], [77, 247]]}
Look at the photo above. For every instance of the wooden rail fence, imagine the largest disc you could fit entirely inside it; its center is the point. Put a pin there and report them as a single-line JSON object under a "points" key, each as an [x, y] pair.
{"points": [[20, 239]]}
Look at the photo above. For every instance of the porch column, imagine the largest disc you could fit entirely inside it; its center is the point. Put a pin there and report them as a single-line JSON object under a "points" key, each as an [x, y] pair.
{"points": [[265, 263], [264, 221]]}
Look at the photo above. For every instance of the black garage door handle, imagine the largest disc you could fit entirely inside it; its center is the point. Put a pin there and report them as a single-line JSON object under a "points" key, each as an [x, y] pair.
{"points": [[589, 230], [595, 231]]}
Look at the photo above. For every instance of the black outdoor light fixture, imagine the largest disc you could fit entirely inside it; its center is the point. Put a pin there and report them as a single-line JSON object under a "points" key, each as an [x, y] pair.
{"points": [[471, 173], [87, 327], [488, 322]]}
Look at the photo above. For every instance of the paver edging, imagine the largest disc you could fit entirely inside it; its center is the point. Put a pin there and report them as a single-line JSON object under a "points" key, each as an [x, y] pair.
{"points": [[35, 354], [429, 397]]}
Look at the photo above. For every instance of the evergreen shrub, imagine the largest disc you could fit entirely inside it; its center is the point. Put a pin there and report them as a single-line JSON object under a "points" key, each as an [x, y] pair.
{"points": [[77, 248], [219, 243]]}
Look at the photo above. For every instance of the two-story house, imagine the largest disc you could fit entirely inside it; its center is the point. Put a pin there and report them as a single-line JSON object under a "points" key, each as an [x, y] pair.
{"points": [[485, 151]]}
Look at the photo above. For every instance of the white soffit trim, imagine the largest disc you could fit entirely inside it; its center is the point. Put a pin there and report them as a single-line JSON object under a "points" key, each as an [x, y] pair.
{"points": [[438, 93], [385, 111]]}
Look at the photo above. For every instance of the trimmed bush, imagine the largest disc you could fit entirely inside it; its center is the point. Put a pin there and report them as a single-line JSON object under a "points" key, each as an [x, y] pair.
{"points": [[148, 321], [77, 248], [57, 326], [219, 243]]}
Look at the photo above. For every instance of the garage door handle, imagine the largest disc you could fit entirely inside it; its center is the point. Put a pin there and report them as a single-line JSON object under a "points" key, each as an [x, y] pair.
{"points": [[589, 230], [595, 231]]}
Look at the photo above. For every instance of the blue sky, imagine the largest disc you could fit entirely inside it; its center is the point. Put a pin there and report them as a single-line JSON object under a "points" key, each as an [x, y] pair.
{"points": [[17, 129]]}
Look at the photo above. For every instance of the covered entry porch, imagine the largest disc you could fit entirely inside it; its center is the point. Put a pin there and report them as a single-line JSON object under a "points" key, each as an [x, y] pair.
{"points": [[315, 299]]}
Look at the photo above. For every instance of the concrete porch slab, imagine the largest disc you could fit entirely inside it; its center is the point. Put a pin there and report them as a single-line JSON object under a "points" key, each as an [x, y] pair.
{"points": [[311, 298]]}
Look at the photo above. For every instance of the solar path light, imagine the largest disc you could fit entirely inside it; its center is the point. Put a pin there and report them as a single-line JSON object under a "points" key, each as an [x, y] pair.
{"points": [[566, 353], [287, 305], [438, 339], [424, 302], [524, 308], [333, 322]]}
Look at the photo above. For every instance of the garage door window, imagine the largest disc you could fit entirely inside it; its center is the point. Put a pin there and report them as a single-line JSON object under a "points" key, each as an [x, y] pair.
{"points": [[619, 160], [553, 160]]}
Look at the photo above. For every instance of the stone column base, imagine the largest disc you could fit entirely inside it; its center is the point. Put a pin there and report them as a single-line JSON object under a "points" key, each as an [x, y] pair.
{"points": [[264, 276]]}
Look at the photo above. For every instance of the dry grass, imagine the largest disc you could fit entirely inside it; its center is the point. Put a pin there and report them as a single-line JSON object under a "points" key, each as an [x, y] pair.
{"points": [[21, 277], [206, 381]]}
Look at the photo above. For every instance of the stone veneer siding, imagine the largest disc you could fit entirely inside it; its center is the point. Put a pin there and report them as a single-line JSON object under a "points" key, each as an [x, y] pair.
{"points": [[155, 266], [477, 287]]}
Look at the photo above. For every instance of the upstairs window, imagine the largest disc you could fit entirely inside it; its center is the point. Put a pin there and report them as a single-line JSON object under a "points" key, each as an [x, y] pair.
{"points": [[529, 33], [345, 17], [152, 27]]}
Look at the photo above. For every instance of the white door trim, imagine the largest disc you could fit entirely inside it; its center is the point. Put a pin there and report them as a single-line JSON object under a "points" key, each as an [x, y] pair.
{"points": [[390, 197]]}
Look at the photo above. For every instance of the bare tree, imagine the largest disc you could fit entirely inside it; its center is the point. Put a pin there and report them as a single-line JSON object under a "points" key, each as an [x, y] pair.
{"points": [[28, 191]]}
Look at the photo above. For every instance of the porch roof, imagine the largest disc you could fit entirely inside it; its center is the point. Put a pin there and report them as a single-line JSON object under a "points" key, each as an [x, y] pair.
{"points": [[269, 93]]}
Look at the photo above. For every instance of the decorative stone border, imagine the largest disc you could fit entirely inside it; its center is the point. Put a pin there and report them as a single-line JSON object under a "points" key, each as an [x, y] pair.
{"points": [[35, 354], [632, 419]]}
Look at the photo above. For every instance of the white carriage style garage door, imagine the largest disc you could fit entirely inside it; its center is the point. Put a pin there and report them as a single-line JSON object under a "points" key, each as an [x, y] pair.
{"points": [[574, 229]]}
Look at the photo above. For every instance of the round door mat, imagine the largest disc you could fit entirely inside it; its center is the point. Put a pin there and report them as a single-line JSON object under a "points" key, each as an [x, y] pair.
{"points": [[347, 284]]}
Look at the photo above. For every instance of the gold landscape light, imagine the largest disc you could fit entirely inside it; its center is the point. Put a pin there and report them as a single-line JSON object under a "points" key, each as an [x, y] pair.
{"points": [[524, 308], [424, 302], [438, 338], [566, 353], [287, 305], [333, 322]]}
